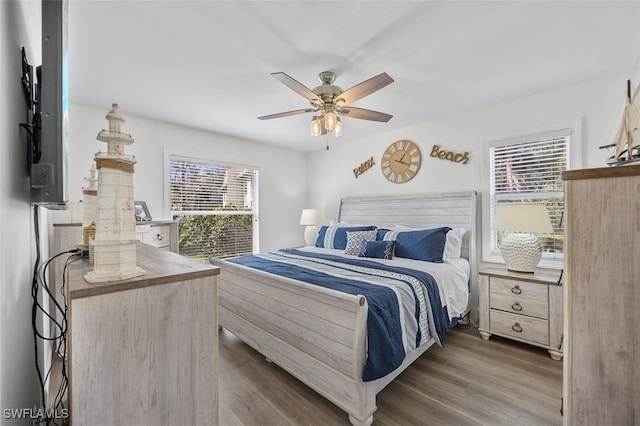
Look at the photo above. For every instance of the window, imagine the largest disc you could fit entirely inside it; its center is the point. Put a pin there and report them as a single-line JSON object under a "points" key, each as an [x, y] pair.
{"points": [[216, 205], [529, 170]]}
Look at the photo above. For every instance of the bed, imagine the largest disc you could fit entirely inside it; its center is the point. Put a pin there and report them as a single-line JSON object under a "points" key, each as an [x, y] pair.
{"points": [[325, 337]]}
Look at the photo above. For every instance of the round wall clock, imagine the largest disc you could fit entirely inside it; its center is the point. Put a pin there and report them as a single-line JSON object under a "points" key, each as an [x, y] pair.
{"points": [[401, 161]]}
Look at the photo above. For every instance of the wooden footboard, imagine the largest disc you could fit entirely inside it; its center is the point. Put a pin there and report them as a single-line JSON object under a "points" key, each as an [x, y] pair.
{"points": [[317, 335]]}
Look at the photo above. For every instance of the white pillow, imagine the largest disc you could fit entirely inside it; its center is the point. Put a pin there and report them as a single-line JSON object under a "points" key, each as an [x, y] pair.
{"points": [[453, 245]]}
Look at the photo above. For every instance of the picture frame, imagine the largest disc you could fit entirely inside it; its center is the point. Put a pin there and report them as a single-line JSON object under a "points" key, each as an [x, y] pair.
{"points": [[142, 212]]}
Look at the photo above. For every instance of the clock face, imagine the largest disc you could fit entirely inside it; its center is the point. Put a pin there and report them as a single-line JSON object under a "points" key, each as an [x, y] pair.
{"points": [[401, 161]]}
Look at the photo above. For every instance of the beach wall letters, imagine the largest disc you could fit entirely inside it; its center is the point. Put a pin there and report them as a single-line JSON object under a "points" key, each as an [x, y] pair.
{"points": [[442, 154]]}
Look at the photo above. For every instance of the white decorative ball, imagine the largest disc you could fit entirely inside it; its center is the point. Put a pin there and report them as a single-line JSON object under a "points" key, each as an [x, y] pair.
{"points": [[521, 252]]}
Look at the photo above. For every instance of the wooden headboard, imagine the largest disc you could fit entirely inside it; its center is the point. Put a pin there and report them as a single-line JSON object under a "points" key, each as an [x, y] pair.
{"points": [[453, 209]]}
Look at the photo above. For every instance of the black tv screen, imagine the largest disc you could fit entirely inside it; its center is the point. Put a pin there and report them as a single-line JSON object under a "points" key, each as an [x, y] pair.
{"points": [[48, 174]]}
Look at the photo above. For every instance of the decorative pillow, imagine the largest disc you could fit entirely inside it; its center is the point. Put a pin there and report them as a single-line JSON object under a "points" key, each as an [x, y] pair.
{"points": [[377, 249], [381, 233], [424, 244], [453, 245], [355, 240], [335, 237]]}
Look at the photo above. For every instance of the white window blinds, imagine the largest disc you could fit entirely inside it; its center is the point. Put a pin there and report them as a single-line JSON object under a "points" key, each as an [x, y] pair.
{"points": [[216, 208], [529, 170]]}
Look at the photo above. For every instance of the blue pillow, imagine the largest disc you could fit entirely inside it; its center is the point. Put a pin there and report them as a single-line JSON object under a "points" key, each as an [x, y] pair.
{"points": [[381, 233], [335, 237], [423, 244], [377, 249]]}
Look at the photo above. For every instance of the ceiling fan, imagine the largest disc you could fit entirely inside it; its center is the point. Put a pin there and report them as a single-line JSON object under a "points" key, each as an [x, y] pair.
{"points": [[328, 99]]}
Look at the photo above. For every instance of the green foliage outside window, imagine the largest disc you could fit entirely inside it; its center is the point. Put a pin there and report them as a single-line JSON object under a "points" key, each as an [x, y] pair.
{"points": [[202, 236]]}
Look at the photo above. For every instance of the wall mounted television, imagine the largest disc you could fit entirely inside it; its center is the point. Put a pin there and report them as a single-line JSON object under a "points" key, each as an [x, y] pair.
{"points": [[49, 141]]}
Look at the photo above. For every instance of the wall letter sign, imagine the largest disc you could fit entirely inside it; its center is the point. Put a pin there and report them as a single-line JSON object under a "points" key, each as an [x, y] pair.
{"points": [[363, 167], [449, 155]]}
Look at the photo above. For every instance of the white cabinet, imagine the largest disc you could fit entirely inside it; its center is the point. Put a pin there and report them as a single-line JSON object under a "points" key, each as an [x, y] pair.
{"points": [[160, 234]]}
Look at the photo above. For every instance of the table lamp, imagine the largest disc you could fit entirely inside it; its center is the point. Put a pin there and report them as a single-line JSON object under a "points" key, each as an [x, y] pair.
{"points": [[311, 218], [520, 249]]}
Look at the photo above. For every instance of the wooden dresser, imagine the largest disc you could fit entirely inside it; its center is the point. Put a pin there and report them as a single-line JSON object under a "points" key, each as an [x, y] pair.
{"points": [[66, 236], [144, 350], [602, 294]]}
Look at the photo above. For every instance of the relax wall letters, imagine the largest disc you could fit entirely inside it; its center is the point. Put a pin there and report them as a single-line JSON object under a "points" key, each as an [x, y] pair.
{"points": [[449, 155], [364, 167]]}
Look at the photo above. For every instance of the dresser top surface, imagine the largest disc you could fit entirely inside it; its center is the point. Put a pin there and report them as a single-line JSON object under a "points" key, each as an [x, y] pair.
{"points": [[160, 266], [602, 172]]}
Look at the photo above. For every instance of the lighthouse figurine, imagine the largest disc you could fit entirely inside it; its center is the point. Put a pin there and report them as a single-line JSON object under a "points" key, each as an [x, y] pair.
{"points": [[114, 246], [90, 193]]}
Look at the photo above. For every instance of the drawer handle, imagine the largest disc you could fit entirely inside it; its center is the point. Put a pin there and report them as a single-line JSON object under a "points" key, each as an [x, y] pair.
{"points": [[159, 236], [516, 289], [516, 307], [516, 327]]}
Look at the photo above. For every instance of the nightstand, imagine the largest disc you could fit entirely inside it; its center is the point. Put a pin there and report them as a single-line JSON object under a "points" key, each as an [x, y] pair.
{"points": [[522, 306]]}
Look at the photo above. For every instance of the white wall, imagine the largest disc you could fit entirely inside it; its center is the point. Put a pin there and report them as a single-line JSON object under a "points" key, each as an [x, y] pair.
{"points": [[19, 26], [595, 104], [282, 172]]}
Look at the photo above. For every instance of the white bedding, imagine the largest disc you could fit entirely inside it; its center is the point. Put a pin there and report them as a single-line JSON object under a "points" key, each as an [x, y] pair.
{"points": [[452, 277]]}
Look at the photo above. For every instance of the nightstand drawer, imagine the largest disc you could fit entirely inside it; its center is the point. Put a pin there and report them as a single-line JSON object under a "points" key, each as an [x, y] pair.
{"points": [[519, 326], [520, 305], [520, 289]]}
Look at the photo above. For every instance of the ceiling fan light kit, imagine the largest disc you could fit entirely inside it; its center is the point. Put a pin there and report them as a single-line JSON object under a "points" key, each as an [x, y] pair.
{"points": [[329, 99], [320, 126]]}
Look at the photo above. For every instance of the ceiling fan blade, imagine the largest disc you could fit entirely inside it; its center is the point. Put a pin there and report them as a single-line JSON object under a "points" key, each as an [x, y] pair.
{"points": [[364, 114], [297, 87], [286, 114], [365, 88]]}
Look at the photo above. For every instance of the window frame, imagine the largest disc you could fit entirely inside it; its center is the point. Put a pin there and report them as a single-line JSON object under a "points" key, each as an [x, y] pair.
{"points": [[199, 158], [574, 161]]}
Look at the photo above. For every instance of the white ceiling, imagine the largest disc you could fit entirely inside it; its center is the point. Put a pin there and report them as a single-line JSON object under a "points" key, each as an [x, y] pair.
{"points": [[207, 64]]}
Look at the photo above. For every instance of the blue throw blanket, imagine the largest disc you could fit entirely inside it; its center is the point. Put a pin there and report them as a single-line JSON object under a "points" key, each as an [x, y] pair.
{"points": [[387, 343]]}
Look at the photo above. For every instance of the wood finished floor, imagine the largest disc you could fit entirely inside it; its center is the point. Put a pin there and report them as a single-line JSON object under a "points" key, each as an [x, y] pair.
{"points": [[467, 382]]}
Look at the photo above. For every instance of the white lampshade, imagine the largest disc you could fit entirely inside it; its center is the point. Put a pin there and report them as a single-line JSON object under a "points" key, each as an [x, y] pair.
{"points": [[520, 249], [311, 218], [522, 218]]}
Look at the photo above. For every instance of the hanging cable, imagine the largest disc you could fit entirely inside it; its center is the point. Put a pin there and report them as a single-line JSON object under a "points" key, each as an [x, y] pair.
{"points": [[59, 332]]}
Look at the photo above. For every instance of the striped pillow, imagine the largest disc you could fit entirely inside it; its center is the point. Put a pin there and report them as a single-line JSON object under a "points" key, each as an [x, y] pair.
{"points": [[335, 237]]}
